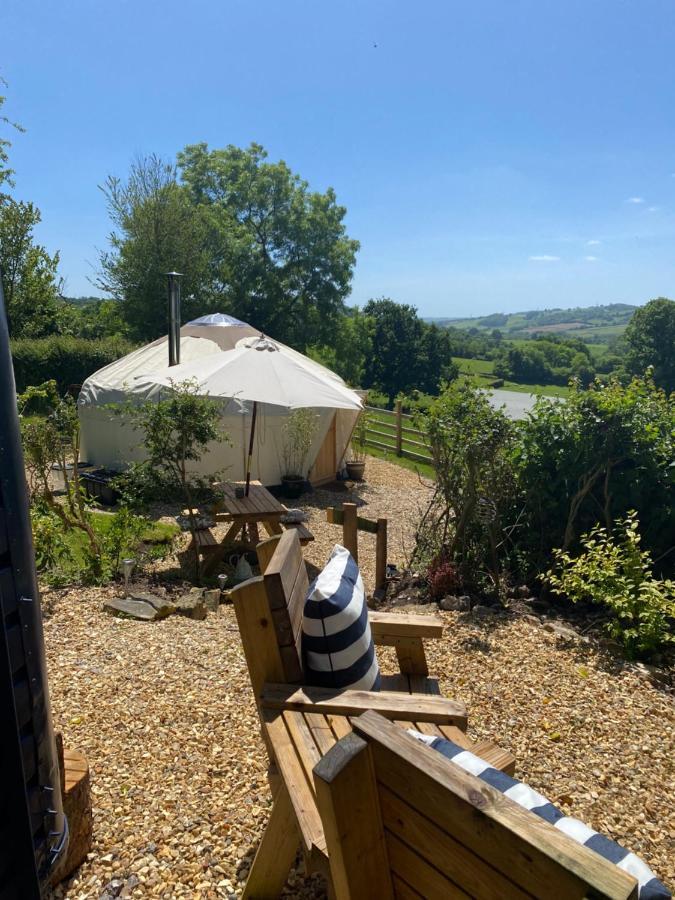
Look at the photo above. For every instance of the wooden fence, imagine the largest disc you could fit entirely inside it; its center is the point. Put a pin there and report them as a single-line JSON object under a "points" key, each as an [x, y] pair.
{"points": [[392, 430]]}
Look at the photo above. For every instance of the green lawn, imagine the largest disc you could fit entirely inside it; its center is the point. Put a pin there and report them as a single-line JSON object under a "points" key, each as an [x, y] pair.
{"points": [[423, 469], [156, 534]]}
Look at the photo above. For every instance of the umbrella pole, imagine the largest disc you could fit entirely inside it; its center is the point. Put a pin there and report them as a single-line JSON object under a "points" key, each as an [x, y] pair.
{"points": [[250, 447]]}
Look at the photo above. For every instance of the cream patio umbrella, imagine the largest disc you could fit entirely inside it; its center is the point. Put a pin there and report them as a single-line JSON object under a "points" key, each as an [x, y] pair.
{"points": [[260, 373]]}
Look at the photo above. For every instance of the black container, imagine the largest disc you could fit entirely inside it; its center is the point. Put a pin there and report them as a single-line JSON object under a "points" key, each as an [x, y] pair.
{"points": [[33, 829], [97, 486]]}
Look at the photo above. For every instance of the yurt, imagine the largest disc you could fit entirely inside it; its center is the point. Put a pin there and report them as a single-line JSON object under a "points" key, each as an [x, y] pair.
{"points": [[109, 440]]}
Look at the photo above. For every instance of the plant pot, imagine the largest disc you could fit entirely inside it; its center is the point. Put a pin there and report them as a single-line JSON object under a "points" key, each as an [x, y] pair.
{"points": [[292, 487], [355, 470]]}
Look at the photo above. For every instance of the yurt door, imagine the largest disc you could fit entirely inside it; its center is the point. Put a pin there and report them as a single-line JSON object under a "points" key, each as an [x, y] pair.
{"points": [[325, 465]]}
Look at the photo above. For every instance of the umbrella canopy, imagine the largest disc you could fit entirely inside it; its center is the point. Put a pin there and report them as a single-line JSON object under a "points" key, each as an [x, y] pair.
{"points": [[259, 372]]}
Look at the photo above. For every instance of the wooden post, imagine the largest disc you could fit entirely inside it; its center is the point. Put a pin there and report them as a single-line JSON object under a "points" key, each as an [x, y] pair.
{"points": [[381, 555], [399, 429], [350, 530]]}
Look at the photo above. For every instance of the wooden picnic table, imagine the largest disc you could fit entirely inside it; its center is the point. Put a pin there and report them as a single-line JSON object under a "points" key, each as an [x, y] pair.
{"points": [[245, 515]]}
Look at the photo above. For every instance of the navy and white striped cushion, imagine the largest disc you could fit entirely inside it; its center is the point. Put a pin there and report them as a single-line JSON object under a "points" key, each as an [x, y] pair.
{"points": [[650, 888], [337, 647]]}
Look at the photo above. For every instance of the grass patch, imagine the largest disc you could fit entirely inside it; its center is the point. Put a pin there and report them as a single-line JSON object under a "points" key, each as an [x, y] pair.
{"points": [[474, 366], [158, 535], [422, 469], [540, 390]]}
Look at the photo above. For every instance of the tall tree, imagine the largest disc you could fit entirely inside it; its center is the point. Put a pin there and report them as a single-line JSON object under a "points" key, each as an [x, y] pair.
{"points": [[29, 274], [156, 230], [393, 366], [279, 253], [650, 339], [6, 172]]}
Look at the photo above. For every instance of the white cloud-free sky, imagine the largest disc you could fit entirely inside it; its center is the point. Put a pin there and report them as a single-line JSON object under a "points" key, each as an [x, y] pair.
{"points": [[480, 149]]}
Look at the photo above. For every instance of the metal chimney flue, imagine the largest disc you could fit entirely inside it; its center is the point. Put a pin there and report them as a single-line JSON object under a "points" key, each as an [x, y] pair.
{"points": [[174, 317]]}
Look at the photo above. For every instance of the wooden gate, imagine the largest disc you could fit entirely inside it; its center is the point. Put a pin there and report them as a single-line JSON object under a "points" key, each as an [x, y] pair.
{"points": [[325, 465]]}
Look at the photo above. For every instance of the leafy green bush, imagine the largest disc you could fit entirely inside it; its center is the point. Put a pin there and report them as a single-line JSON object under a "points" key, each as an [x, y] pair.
{"points": [[67, 360], [378, 399], [49, 542], [614, 571], [592, 458]]}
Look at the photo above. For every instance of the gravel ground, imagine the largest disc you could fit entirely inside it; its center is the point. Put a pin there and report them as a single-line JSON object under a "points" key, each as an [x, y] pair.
{"points": [[165, 715]]}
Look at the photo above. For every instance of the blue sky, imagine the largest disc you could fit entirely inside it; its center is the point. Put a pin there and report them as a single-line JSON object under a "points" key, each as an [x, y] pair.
{"points": [[492, 155]]}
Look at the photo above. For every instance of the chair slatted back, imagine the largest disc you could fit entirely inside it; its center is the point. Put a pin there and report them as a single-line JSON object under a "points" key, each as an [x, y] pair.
{"points": [[269, 613], [439, 832]]}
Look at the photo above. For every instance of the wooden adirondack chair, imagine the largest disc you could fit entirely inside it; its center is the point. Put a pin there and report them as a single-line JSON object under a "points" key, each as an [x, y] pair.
{"points": [[402, 821], [301, 723], [283, 588]]}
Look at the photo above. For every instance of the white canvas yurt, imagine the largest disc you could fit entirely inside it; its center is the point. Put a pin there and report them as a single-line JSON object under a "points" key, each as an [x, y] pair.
{"points": [[109, 441]]}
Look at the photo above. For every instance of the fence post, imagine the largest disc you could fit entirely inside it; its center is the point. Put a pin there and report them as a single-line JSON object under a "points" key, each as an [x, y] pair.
{"points": [[399, 429], [381, 555], [350, 534]]}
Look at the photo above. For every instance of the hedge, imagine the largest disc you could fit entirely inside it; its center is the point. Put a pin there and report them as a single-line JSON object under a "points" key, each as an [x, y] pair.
{"points": [[68, 360]]}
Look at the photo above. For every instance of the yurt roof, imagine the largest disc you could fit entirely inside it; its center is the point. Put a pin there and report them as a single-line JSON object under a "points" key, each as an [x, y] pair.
{"points": [[214, 333]]}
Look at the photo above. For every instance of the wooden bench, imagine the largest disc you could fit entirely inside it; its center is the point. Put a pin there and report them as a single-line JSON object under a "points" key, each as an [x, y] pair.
{"points": [[304, 534], [402, 821], [205, 540]]}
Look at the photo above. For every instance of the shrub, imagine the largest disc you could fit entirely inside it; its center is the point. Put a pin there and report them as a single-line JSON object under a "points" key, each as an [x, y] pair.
{"points": [[49, 542], [378, 399], [594, 457], [614, 571], [67, 360], [176, 431], [468, 520], [442, 578]]}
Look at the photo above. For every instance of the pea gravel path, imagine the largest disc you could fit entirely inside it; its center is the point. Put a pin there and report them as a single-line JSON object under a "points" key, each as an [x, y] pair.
{"points": [[165, 715]]}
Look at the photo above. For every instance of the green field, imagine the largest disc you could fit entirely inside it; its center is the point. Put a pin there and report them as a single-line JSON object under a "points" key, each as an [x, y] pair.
{"points": [[480, 372], [601, 323]]}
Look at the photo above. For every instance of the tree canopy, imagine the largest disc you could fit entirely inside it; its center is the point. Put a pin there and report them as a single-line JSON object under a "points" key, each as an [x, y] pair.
{"points": [[29, 274], [650, 339], [252, 238], [407, 353]]}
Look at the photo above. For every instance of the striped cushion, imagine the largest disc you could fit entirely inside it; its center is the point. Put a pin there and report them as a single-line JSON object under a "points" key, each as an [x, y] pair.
{"points": [[337, 647], [650, 888]]}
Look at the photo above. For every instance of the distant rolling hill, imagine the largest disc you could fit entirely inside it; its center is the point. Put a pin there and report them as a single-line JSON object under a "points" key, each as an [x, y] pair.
{"points": [[597, 324]]}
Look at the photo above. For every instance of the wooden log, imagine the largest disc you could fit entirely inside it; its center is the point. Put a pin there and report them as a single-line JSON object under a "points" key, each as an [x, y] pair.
{"points": [[350, 530]]}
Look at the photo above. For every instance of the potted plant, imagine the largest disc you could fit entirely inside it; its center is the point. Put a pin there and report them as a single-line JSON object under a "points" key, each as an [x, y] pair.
{"points": [[298, 433], [356, 463]]}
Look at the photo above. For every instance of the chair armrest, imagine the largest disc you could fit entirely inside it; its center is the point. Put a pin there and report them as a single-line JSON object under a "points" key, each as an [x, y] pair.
{"points": [[390, 626], [390, 704]]}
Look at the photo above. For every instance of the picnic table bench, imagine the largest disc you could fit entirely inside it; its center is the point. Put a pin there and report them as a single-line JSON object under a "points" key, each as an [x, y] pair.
{"points": [[245, 515]]}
